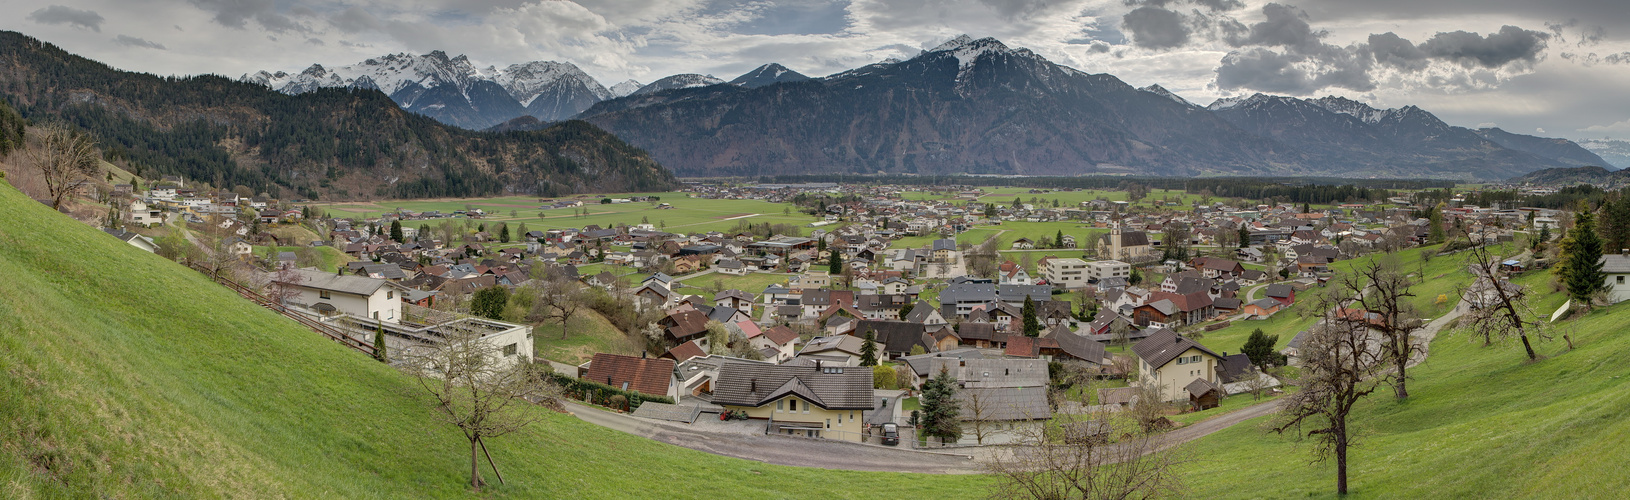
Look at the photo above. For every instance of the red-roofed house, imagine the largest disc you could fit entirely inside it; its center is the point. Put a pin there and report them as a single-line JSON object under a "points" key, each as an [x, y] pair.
{"points": [[651, 376]]}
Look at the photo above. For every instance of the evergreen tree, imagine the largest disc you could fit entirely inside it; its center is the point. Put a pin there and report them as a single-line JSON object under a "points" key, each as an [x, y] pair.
{"points": [[480, 228], [396, 231], [990, 210], [1136, 278], [1259, 347], [1018, 203], [1032, 327], [1244, 236], [379, 345], [1581, 268], [1058, 241], [836, 263], [1434, 219], [1616, 224], [1306, 208], [940, 408], [489, 302], [905, 310], [868, 350], [503, 233]]}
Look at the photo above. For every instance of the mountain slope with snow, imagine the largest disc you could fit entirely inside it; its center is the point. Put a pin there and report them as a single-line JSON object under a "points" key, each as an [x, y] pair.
{"points": [[768, 74], [681, 81]]}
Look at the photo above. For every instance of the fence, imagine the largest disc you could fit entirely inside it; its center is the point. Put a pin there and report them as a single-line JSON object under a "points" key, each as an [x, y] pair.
{"points": [[298, 317]]}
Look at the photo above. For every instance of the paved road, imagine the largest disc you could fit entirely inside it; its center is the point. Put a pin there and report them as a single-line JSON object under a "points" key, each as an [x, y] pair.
{"points": [[783, 450]]}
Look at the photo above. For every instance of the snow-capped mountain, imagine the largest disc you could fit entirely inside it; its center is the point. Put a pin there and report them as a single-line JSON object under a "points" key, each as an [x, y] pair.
{"points": [[625, 88], [1614, 151], [768, 74], [1161, 91], [453, 90], [680, 81], [1359, 110]]}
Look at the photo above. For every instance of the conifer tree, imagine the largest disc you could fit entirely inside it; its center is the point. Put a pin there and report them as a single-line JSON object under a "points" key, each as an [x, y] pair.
{"points": [[1581, 269], [503, 233], [1615, 225], [1058, 241], [379, 345], [396, 231], [868, 350], [905, 310], [1032, 327], [940, 407], [836, 263]]}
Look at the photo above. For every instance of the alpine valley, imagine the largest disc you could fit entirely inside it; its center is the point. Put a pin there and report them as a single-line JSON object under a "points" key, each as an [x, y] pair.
{"points": [[966, 106]]}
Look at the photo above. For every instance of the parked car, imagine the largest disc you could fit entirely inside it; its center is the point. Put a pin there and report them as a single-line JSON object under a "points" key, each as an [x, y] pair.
{"points": [[891, 434]]}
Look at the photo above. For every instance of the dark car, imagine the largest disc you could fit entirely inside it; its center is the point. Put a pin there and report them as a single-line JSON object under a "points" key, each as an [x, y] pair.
{"points": [[891, 434]]}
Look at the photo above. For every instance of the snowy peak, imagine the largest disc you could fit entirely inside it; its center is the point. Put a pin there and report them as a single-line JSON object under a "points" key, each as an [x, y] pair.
{"points": [[1161, 91], [768, 74], [625, 88], [967, 50], [1342, 105], [681, 81], [526, 81], [1238, 101]]}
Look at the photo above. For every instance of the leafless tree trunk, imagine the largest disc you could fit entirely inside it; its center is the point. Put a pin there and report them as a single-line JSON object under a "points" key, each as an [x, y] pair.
{"points": [[1341, 365], [1095, 455], [559, 299], [974, 414], [476, 389], [66, 160], [1380, 291], [1498, 306]]}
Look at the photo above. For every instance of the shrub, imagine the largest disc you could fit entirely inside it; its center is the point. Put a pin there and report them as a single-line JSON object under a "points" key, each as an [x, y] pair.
{"points": [[618, 402], [601, 394]]}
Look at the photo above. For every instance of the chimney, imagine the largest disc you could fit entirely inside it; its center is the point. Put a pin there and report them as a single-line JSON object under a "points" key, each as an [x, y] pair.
{"points": [[817, 363]]}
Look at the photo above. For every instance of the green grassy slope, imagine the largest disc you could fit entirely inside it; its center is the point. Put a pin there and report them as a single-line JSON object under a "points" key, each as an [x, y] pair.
{"points": [[1480, 423], [124, 375]]}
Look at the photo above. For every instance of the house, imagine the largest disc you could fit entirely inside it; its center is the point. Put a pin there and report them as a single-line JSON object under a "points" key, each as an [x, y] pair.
{"points": [[684, 326], [650, 376], [1001, 400], [1066, 273], [812, 401], [779, 339], [735, 299], [1105, 269], [924, 314], [897, 338], [843, 348], [811, 280], [1261, 308], [1203, 394], [1284, 293], [328, 293], [1215, 268], [144, 215], [1170, 362], [135, 240], [1125, 245], [1170, 309], [654, 294], [236, 246], [682, 352], [1023, 244], [732, 267], [1617, 267]]}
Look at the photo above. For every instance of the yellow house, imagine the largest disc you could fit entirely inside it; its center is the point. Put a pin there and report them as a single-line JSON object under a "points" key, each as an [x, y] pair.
{"points": [[812, 401], [1171, 362]]}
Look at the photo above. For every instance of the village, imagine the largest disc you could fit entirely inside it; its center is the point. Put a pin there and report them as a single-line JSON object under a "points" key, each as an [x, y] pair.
{"points": [[888, 304]]}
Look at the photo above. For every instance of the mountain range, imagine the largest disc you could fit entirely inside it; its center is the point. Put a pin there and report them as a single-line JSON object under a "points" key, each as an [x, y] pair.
{"points": [[322, 142], [456, 92]]}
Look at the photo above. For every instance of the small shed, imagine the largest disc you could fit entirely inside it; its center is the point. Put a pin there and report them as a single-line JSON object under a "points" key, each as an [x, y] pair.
{"points": [[1203, 394]]}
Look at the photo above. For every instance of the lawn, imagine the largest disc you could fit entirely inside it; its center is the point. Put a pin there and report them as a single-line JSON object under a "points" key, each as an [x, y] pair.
{"points": [[1481, 422], [589, 333], [330, 258], [128, 376], [689, 215]]}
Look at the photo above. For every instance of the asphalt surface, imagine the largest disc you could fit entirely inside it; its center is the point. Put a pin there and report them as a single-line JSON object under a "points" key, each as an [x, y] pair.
{"points": [[830, 454]]}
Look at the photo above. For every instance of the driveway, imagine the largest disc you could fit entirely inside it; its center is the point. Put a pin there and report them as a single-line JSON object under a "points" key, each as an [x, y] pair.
{"points": [[782, 450]]}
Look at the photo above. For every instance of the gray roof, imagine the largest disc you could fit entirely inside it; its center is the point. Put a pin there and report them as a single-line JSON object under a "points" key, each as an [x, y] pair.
{"points": [[1616, 263], [920, 363], [1200, 386], [842, 343], [1163, 345], [968, 292], [1005, 403], [832, 388], [1001, 372], [945, 244], [1279, 290], [320, 280]]}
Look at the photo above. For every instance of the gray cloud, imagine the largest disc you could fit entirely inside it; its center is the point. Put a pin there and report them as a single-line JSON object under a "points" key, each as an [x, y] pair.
{"points": [[315, 41], [1156, 28], [1391, 50], [1510, 44], [58, 14], [354, 20], [1286, 26], [1221, 5], [1264, 70], [1619, 58], [130, 41], [238, 13]]}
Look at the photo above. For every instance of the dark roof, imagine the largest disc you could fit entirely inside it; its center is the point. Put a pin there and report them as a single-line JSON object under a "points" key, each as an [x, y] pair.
{"points": [[687, 324], [1280, 290], [977, 331], [721, 314], [1081, 347], [685, 351], [831, 388], [1199, 387], [1234, 367], [897, 336], [1226, 303], [1164, 345], [780, 335], [643, 375]]}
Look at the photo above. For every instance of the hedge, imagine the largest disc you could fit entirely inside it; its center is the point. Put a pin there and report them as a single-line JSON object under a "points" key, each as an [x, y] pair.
{"points": [[600, 394]]}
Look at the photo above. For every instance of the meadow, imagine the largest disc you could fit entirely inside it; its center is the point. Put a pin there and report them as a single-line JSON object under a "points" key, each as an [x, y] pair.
{"points": [[689, 215]]}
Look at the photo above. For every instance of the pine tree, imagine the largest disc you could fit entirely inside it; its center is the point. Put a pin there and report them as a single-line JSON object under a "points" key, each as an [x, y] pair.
{"points": [[1244, 236], [1058, 241], [905, 310], [836, 263], [1544, 235], [379, 345], [1435, 233], [1615, 225], [868, 350], [1259, 348], [1581, 268], [1136, 278], [1032, 327], [503, 233], [396, 231], [940, 408], [1018, 203]]}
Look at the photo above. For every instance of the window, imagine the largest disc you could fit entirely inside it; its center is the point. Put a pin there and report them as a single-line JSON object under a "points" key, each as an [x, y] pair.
{"points": [[1620, 279], [829, 423], [323, 294], [509, 350], [794, 404], [779, 403], [389, 294]]}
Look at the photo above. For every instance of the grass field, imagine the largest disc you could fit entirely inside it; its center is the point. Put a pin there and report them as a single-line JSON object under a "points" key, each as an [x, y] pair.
{"points": [[128, 376], [689, 215], [1481, 422], [330, 257], [589, 333]]}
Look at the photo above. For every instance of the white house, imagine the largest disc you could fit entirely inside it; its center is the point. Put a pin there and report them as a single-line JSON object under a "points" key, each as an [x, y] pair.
{"points": [[1617, 268], [1066, 273], [1108, 269], [328, 293]]}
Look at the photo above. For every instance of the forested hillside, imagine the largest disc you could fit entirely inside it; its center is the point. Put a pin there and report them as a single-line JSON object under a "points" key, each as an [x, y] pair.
{"points": [[328, 144]]}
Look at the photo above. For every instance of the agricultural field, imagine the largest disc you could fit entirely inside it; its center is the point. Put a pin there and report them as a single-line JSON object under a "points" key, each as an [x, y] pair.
{"points": [[689, 215]]}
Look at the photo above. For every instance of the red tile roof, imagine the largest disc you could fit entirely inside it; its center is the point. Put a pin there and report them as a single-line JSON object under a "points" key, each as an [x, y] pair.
{"points": [[643, 375]]}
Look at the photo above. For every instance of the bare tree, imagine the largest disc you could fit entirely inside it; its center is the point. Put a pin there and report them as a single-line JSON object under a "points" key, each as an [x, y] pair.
{"points": [[1340, 366], [1094, 455], [285, 285], [559, 299], [1499, 309], [976, 413], [66, 161], [476, 389], [1380, 291]]}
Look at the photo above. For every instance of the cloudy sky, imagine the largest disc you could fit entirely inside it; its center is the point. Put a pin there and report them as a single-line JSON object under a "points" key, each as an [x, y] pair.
{"points": [[1555, 67]]}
